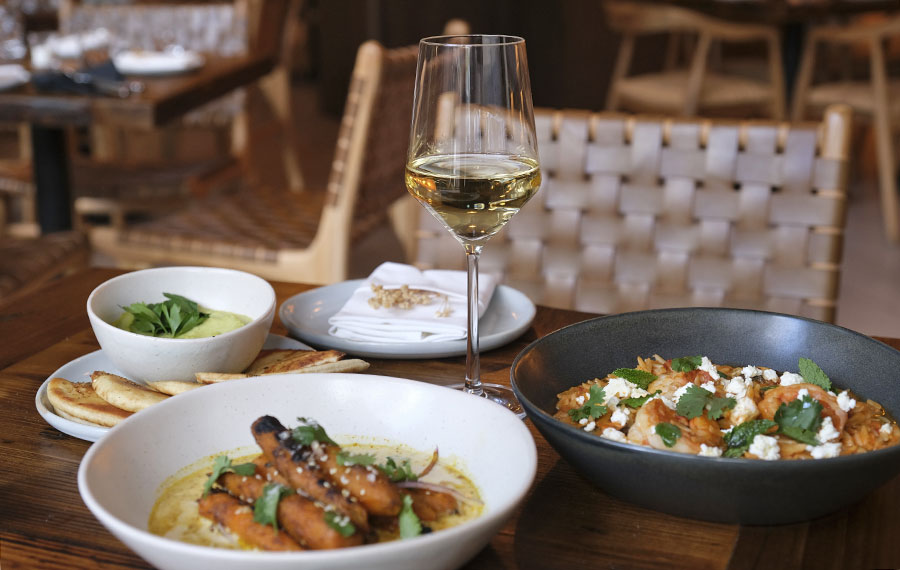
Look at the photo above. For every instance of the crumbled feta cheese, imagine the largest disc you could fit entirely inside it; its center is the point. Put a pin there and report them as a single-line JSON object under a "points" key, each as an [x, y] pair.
{"points": [[590, 426], [825, 450], [708, 367], [745, 410], [886, 429], [613, 434], [737, 386], [827, 431], [789, 379], [620, 388], [680, 392], [750, 371], [579, 400], [620, 415], [845, 401], [710, 450], [726, 431], [802, 393], [765, 447], [709, 386], [583, 421], [667, 401], [769, 374]]}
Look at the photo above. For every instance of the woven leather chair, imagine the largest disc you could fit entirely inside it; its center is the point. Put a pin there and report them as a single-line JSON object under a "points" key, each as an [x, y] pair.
{"points": [[303, 236], [695, 88], [131, 171], [876, 98], [646, 212]]}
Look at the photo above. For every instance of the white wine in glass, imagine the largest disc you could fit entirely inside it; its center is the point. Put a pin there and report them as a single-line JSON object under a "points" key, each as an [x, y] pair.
{"points": [[473, 158]]}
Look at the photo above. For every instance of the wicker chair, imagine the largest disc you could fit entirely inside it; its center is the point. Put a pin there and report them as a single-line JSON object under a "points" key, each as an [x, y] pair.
{"points": [[132, 171], [644, 212], [303, 236], [694, 88], [875, 98]]}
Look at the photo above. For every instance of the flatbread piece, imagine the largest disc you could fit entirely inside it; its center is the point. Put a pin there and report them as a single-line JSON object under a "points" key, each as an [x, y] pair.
{"points": [[123, 393], [78, 401]]}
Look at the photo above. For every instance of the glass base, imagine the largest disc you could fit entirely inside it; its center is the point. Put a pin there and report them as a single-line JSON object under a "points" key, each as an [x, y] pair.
{"points": [[499, 394]]}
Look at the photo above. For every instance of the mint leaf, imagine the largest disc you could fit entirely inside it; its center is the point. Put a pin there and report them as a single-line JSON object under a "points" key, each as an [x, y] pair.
{"points": [[717, 406], [637, 402], [800, 419], [686, 363], [812, 374], [265, 509], [593, 408], [638, 377], [340, 523], [348, 459], [408, 521], [222, 464], [668, 432], [398, 472], [692, 402], [740, 438], [310, 431]]}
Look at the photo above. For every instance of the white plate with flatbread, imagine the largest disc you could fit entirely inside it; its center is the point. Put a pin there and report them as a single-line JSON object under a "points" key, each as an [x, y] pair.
{"points": [[306, 316], [79, 370]]}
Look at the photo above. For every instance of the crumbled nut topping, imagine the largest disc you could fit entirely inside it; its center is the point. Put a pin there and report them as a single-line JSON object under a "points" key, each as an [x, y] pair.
{"points": [[406, 298]]}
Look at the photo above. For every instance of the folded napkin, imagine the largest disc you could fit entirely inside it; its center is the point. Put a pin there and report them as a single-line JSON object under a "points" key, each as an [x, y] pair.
{"points": [[442, 319]]}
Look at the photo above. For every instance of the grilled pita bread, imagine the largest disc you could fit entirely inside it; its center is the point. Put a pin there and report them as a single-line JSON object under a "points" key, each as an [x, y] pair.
{"points": [[77, 401], [214, 377], [123, 393], [291, 367], [279, 361], [173, 387]]}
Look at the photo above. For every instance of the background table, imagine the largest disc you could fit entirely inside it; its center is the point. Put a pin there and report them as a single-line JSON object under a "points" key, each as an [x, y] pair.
{"points": [[563, 523], [164, 99]]}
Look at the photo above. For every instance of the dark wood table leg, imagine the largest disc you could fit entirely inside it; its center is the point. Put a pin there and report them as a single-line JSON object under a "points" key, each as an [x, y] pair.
{"points": [[792, 37], [51, 178]]}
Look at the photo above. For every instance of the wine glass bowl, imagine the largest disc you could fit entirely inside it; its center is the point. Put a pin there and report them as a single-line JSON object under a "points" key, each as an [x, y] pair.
{"points": [[473, 157]]}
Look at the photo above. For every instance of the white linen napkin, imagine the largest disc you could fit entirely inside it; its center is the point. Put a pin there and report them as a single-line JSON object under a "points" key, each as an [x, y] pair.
{"points": [[443, 319]]}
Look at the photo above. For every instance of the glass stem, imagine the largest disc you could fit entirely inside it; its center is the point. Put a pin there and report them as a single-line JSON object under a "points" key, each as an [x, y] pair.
{"points": [[473, 364]]}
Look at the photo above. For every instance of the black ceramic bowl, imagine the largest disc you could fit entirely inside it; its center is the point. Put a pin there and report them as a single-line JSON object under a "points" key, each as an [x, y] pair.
{"points": [[716, 489]]}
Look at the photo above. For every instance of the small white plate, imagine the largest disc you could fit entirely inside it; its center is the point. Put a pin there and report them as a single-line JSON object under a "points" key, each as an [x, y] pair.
{"points": [[79, 370], [306, 317], [13, 75], [157, 62]]}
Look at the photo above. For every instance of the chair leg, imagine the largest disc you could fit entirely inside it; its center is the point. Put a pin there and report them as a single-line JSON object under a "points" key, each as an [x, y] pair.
{"points": [[884, 143]]}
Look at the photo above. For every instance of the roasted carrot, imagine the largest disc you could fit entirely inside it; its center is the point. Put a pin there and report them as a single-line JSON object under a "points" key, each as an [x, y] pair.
{"points": [[303, 471], [300, 517], [367, 484], [431, 505], [238, 517]]}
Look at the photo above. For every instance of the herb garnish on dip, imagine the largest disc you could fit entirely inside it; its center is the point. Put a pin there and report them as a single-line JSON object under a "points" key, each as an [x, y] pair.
{"points": [[177, 317]]}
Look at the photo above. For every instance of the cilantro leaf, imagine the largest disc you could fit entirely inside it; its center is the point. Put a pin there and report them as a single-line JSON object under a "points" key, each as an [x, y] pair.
{"points": [[398, 472], [668, 432], [348, 459], [340, 523], [686, 363], [692, 402], [637, 402], [800, 419], [408, 521], [169, 318], [717, 406], [265, 509], [309, 431], [593, 408], [638, 377], [813, 374], [740, 438], [222, 464]]}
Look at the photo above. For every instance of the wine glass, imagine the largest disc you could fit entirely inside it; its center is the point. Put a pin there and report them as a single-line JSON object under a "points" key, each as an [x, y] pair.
{"points": [[473, 157]]}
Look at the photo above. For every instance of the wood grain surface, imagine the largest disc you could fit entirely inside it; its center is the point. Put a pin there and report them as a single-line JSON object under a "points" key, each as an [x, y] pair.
{"points": [[564, 522]]}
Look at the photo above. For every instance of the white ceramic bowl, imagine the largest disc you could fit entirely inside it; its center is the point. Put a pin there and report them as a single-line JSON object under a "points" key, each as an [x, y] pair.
{"points": [[148, 358], [120, 475]]}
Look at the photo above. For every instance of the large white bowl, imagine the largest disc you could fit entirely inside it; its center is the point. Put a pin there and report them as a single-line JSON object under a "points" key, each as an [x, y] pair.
{"points": [[148, 358], [120, 475]]}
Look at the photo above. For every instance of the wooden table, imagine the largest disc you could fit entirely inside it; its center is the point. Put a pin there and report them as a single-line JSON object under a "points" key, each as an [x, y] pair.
{"points": [[163, 100], [563, 523]]}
